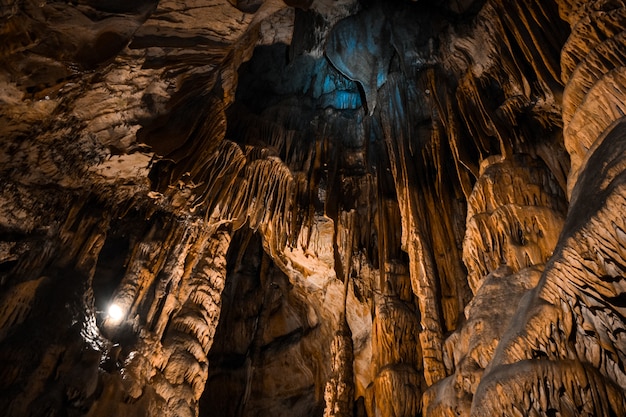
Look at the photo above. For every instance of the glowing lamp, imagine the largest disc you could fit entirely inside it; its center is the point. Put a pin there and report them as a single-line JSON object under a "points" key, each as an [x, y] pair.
{"points": [[116, 314]]}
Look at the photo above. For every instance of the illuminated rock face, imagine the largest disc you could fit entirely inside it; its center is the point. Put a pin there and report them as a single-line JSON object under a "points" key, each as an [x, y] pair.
{"points": [[312, 208], [515, 215]]}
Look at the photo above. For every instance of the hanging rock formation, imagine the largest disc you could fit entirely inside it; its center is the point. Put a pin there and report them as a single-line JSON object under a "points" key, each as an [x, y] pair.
{"points": [[312, 208]]}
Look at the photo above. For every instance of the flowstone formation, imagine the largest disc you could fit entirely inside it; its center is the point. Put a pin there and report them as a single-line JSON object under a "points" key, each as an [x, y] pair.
{"points": [[515, 215], [312, 208]]}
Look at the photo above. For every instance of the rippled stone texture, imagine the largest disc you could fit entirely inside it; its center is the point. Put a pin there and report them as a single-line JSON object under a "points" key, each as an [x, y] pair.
{"points": [[326, 207], [515, 215]]}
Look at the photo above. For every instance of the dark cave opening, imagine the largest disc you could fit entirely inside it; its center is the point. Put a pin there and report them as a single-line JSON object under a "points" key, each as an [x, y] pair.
{"points": [[272, 76], [262, 319], [110, 269]]}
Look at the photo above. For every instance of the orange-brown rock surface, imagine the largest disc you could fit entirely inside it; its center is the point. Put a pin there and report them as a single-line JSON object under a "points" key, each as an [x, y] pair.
{"points": [[312, 208], [515, 215]]}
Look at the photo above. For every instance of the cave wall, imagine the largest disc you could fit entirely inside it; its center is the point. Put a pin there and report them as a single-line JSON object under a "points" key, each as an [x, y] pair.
{"points": [[312, 208]]}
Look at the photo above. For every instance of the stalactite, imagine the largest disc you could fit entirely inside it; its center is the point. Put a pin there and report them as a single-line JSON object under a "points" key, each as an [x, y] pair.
{"points": [[358, 46], [414, 239], [503, 104], [136, 141]]}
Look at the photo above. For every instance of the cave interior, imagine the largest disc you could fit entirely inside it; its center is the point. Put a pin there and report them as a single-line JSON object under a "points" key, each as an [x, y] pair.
{"points": [[338, 208]]}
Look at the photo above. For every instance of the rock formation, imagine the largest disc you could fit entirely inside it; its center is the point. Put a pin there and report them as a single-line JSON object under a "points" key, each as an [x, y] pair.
{"points": [[312, 208]]}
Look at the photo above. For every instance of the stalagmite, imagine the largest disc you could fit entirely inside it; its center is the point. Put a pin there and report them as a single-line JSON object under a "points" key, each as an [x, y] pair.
{"points": [[306, 208], [397, 387], [339, 390]]}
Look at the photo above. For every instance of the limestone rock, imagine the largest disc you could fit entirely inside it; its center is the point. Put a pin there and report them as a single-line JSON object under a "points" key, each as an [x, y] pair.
{"points": [[327, 207]]}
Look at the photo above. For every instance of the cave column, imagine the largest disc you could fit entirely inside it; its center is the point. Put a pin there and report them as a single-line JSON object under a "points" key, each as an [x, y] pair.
{"points": [[422, 269], [167, 367], [398, 119], [396, 356], [423, 276], [339, 390]]}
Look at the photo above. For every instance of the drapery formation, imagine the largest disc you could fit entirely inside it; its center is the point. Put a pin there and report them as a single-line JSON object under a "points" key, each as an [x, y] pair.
{"points": [[312, 208]]}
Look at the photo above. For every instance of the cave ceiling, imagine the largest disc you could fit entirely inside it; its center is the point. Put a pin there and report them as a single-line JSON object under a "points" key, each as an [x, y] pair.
{"points": [[313, 208]]}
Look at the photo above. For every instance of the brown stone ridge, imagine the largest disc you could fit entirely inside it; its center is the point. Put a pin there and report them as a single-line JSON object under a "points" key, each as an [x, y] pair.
{"points": [[328, 208]]}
